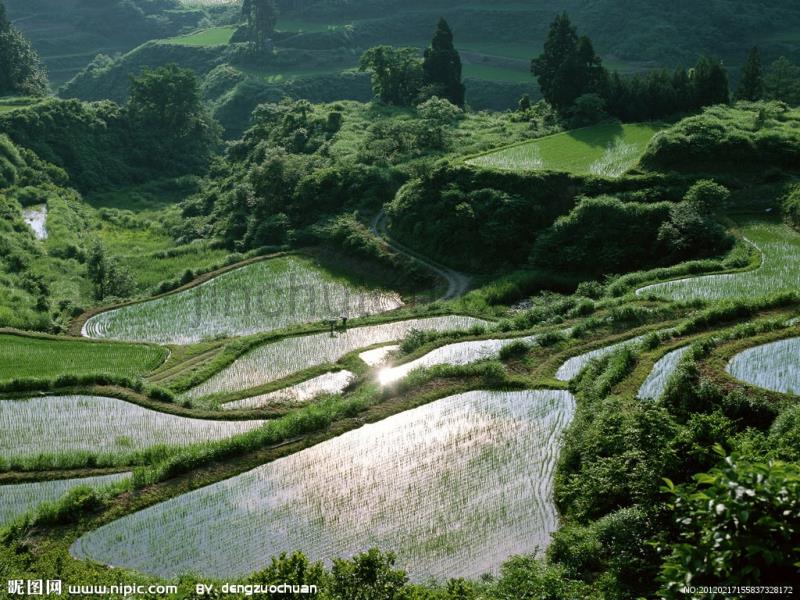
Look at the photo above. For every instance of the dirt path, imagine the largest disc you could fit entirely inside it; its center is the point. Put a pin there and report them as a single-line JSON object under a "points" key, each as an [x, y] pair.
{"points": [[457, 283]]}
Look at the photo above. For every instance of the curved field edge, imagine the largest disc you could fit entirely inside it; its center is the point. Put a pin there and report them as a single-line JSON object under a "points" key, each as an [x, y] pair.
{"points": [[474, 160], [505, 421], [180, 380], [163, 482], [768, 235], [77, 325], [264, 296]]}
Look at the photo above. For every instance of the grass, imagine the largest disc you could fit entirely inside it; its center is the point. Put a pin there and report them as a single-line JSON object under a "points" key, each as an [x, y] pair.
{"points": [[18, 499], [453, 504], [51, 426], [262, 296], [12, 103], [42, 357], [608, 149], [277, 360], [572, 367], [216, 36], [774, 366], [779, 270], [496, 73]]}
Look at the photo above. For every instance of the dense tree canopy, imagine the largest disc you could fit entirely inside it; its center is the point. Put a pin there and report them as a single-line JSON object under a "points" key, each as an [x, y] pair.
{"points": [[21, 72], [441, 67], [396, 74], [751, 83], [261, 16], [569, 67]]}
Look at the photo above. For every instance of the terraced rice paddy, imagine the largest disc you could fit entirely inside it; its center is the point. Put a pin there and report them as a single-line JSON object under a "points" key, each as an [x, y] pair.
{"points": [[36, 218], [274, 361], [329, 383], [461, 353], [378, 356], [774, 366], [97, 425], [656, 383], [45, 358], [453, 487], [609, 149], [262, 296], [18, 499], [216, 36], [572, 368], [779, 270]]}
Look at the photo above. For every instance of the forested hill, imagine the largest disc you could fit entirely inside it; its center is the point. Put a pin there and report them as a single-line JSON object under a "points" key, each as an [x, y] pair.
{"points": [[661, 31], [68, 34]]}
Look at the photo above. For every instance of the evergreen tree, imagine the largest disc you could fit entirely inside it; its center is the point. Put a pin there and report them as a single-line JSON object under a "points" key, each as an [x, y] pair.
{"points": [[751, 85], [20, 69], [569, 66], [709, 81], [442, 67], [782, 82], [261, 17]]}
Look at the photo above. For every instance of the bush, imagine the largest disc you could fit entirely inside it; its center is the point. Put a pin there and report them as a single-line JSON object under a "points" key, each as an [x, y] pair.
{"points": [[737, 526]]}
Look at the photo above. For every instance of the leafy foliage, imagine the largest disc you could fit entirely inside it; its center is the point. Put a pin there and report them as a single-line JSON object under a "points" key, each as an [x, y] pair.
{"points": [[738, 526], [20, 69]]}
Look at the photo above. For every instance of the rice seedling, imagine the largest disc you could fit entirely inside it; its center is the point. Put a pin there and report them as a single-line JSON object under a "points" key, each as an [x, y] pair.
{"points": [[779, 270], [608, 149], [656, 382], [329, 383], [274, 361], [619, 157], [774, 366], [18, 499], [572, 368], [453, 487], [63, 424], [45, 358], [378, 356], [262, 296], [36, 218], [461, 353]]}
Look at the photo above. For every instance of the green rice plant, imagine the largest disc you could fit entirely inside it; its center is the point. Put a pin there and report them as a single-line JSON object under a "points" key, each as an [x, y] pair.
{"points": [[453, 487], [44, 358], [618, 158], [326, 384], [36, 218], [608, 149], [216, 36], [262, 296], [53, 425], [774, 366], [460, 353], [779, 271], [276, 360], [656, 383], [18, 499]]}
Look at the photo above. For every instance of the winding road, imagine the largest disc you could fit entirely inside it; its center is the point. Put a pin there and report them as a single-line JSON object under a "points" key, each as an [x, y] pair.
{"points": [[457, 283]]}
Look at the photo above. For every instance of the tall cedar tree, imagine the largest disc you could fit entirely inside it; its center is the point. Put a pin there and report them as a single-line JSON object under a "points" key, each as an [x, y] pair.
{"points": [[751, 85], [569, 66], [442, 67], [261, 17], [21, 71], [710, 83]]}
